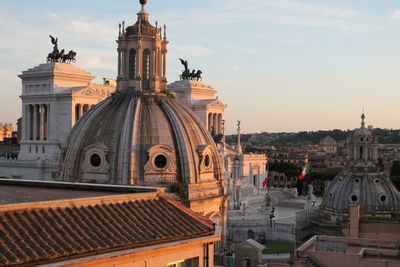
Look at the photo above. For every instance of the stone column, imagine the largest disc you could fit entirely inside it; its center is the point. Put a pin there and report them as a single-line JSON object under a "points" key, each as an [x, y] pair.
{"points": [[219, 123], [25, 125], [47, 132], [164, 74], [139, 61], [210, 121], [215, 123], [80, 111], [159, 65], [124, 63], [31, 123], [42, 118], [119, 63], [35, 122], [154, 62]]}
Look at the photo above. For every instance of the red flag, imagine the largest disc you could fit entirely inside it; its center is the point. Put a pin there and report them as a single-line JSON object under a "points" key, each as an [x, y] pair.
{"points": [[265, 181], [303, 173]]}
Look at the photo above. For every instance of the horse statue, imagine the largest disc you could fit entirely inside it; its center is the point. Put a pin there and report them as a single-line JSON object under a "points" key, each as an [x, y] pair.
{"points": [[185, 75], [197, 76], [189, 75], [192, 75], [67, 58], [59, 56], [55, 57]]}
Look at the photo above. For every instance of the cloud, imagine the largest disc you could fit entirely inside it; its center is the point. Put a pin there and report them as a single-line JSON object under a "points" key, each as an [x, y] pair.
{"points": [[191, 50], [283, 12], [396, 15]]}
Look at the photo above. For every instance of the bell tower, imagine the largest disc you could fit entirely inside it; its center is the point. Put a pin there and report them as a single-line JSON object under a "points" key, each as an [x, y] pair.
{"points": [[142, 55], [362, 148]]}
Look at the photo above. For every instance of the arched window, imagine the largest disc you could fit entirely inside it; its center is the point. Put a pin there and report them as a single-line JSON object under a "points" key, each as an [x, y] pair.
{"points": [[361, 152], [146, 64], [132, 64]]}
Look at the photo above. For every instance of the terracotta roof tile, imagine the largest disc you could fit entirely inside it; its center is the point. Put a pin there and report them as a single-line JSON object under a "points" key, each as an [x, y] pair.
{"points": [[37, 235]]}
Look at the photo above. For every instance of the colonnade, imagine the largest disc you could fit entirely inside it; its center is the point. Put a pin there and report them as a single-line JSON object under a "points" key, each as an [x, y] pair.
{"points": [[142, 63], [37, 118], [81, 109], [215, 122]]}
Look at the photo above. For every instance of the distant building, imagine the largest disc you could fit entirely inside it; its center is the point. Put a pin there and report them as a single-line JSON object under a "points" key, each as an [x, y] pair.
{"points": [[328, 145], [54, 97], [361, 201], [6, 130], [347, 252], [248, 253]]}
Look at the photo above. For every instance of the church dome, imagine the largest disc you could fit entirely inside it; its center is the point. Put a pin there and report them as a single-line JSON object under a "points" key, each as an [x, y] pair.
{"points": [[141, 135], [362, 131], [361, 183], [140, 139], [374, 192]]}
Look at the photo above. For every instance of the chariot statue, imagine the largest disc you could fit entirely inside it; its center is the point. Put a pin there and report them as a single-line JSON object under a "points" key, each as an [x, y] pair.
{"points": [[190, 75], [60, 56]]}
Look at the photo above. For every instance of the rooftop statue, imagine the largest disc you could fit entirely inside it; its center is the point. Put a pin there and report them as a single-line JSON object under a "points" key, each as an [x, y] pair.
{"points": [[190, 75], [60, 56]]}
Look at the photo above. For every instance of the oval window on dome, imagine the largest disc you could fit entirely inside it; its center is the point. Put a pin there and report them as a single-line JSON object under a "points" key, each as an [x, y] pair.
{"points": [[357, 180], [354, 198], [160, 161], [207, 161], [95, 160], [383, 198]]}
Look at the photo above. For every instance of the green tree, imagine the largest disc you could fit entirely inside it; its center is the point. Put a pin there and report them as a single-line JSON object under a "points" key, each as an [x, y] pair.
{"points": [[395, 170]]}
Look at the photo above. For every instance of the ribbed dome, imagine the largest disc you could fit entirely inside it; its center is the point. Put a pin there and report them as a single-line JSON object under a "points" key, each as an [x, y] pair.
{"points": [[144, 139], [362, 131], [374, 192]]}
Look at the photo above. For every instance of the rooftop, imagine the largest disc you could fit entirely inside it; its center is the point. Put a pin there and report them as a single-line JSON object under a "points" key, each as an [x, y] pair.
{"points": [[13, 191], [360, 248], [90, 222]]}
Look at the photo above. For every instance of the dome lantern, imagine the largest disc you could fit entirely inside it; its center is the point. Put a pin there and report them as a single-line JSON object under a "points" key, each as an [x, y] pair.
{"points": [[142, 55]]}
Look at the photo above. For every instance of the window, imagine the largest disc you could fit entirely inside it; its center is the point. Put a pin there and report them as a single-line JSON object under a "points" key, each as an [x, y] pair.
{"points": [[192, 262], [160, 161], [132, 64], [207, 161], [95, 160], [146, 64], [354, 198]]}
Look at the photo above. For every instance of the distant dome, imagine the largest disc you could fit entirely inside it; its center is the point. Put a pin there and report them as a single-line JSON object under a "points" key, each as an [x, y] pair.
{"points": [[362, 132], [374, 192], [361, 183], [328, 141], [140, 139]]}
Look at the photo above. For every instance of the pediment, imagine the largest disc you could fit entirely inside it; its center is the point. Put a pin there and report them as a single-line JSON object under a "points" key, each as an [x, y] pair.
{"points": [[87, 91], [216, 104]]}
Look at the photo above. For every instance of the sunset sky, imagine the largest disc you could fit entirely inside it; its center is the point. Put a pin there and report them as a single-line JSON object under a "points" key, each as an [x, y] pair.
{"points": [[279, 65]]}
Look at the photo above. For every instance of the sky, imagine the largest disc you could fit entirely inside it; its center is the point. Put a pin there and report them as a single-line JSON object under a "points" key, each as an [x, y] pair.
{"points": [[279, 65]]}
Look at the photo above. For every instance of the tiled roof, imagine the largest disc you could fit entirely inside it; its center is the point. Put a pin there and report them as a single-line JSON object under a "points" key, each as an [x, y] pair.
{"points": [[58, 230]]}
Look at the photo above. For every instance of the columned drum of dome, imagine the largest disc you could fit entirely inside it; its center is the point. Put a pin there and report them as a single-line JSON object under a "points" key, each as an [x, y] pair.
{"points": [[141, 135]]}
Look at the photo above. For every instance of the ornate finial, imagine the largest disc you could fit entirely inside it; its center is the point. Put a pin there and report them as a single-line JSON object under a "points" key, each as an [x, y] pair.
{"points": [[165, 32], [123, 26], [362, 118], [119, 32], [143, 2]]}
